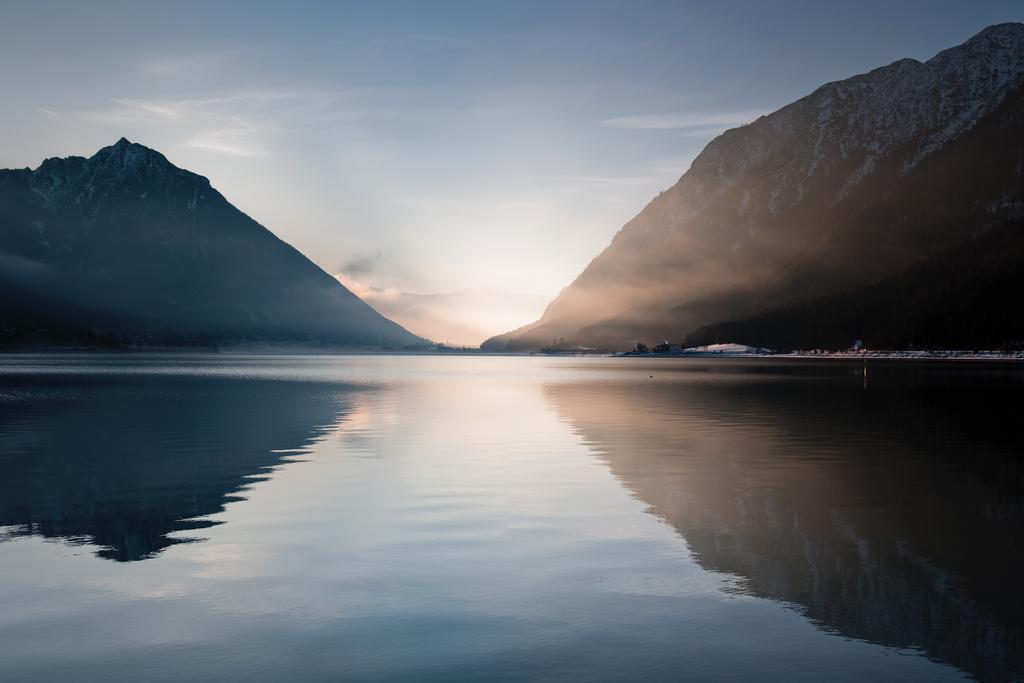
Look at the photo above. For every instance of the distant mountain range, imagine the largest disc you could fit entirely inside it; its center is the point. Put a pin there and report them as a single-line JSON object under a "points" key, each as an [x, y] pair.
{"points": [[126, 249], [888, 207], [463, 318]]}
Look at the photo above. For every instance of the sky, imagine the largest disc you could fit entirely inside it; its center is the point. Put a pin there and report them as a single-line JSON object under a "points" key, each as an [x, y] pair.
{"points": [[437, 147]]}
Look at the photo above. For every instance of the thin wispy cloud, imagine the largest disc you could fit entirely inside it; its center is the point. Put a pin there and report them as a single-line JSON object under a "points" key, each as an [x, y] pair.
{"points": [[48, 112], [610, 180], [183, 66], [147, 110], [233, 142], [246, 123], [683, 120]]}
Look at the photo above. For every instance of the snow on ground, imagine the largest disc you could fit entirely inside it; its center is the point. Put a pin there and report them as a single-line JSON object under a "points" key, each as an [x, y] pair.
{"points": [[724, 348]]}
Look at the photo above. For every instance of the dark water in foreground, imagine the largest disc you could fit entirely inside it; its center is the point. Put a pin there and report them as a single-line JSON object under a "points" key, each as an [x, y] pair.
{"points": [[474, 518]]}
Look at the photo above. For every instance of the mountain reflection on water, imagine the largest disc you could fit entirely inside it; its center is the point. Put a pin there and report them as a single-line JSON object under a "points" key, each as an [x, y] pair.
{"points": [[124, 461], [508, 518], [891, 513]]}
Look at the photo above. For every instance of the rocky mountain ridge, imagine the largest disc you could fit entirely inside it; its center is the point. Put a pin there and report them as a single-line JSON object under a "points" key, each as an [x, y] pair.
{"points": [[124, 248], [855, 182]]}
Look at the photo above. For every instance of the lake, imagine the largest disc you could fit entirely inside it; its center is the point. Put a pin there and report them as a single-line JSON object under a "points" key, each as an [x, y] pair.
{"points": [[219, 517]]}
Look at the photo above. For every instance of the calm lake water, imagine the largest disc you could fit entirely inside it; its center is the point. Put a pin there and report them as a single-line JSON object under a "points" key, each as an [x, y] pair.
{"points": [[213, 518]]}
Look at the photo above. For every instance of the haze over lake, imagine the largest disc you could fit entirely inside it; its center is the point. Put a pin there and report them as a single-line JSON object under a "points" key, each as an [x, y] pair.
{"points": [[213, 517]]}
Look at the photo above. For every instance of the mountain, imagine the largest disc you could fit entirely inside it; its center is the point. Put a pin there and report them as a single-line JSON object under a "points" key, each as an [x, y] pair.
{"points": [[967, 297], [856, 182], [124, 248]]}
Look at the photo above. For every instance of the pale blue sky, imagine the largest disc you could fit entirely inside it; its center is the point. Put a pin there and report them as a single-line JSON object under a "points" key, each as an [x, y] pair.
{"points": [[430, 146]]}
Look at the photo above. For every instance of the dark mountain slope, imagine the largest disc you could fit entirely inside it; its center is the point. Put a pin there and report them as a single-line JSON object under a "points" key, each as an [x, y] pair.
{"points": [[968, 297], [126, 248]]}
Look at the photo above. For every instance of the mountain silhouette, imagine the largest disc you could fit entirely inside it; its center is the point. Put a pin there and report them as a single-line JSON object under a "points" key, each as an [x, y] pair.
{"points": [[124, 248], [859, 181]]}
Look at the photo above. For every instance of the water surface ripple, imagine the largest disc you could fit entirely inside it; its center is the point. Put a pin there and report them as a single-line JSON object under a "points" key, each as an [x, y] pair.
{"points": [[221, 517]]}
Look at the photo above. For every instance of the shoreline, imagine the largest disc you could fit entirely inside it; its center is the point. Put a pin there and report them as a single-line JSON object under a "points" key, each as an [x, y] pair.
{"points": [[933, 355], [845, 355]]}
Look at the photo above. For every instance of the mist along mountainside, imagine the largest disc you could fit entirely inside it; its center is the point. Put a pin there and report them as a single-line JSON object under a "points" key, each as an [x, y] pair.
{"points": [[126, 249], [861, 211]]}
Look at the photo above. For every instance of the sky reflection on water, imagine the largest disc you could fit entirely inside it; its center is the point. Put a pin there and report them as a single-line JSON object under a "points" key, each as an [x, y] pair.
{"points": [[227, 517]]}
